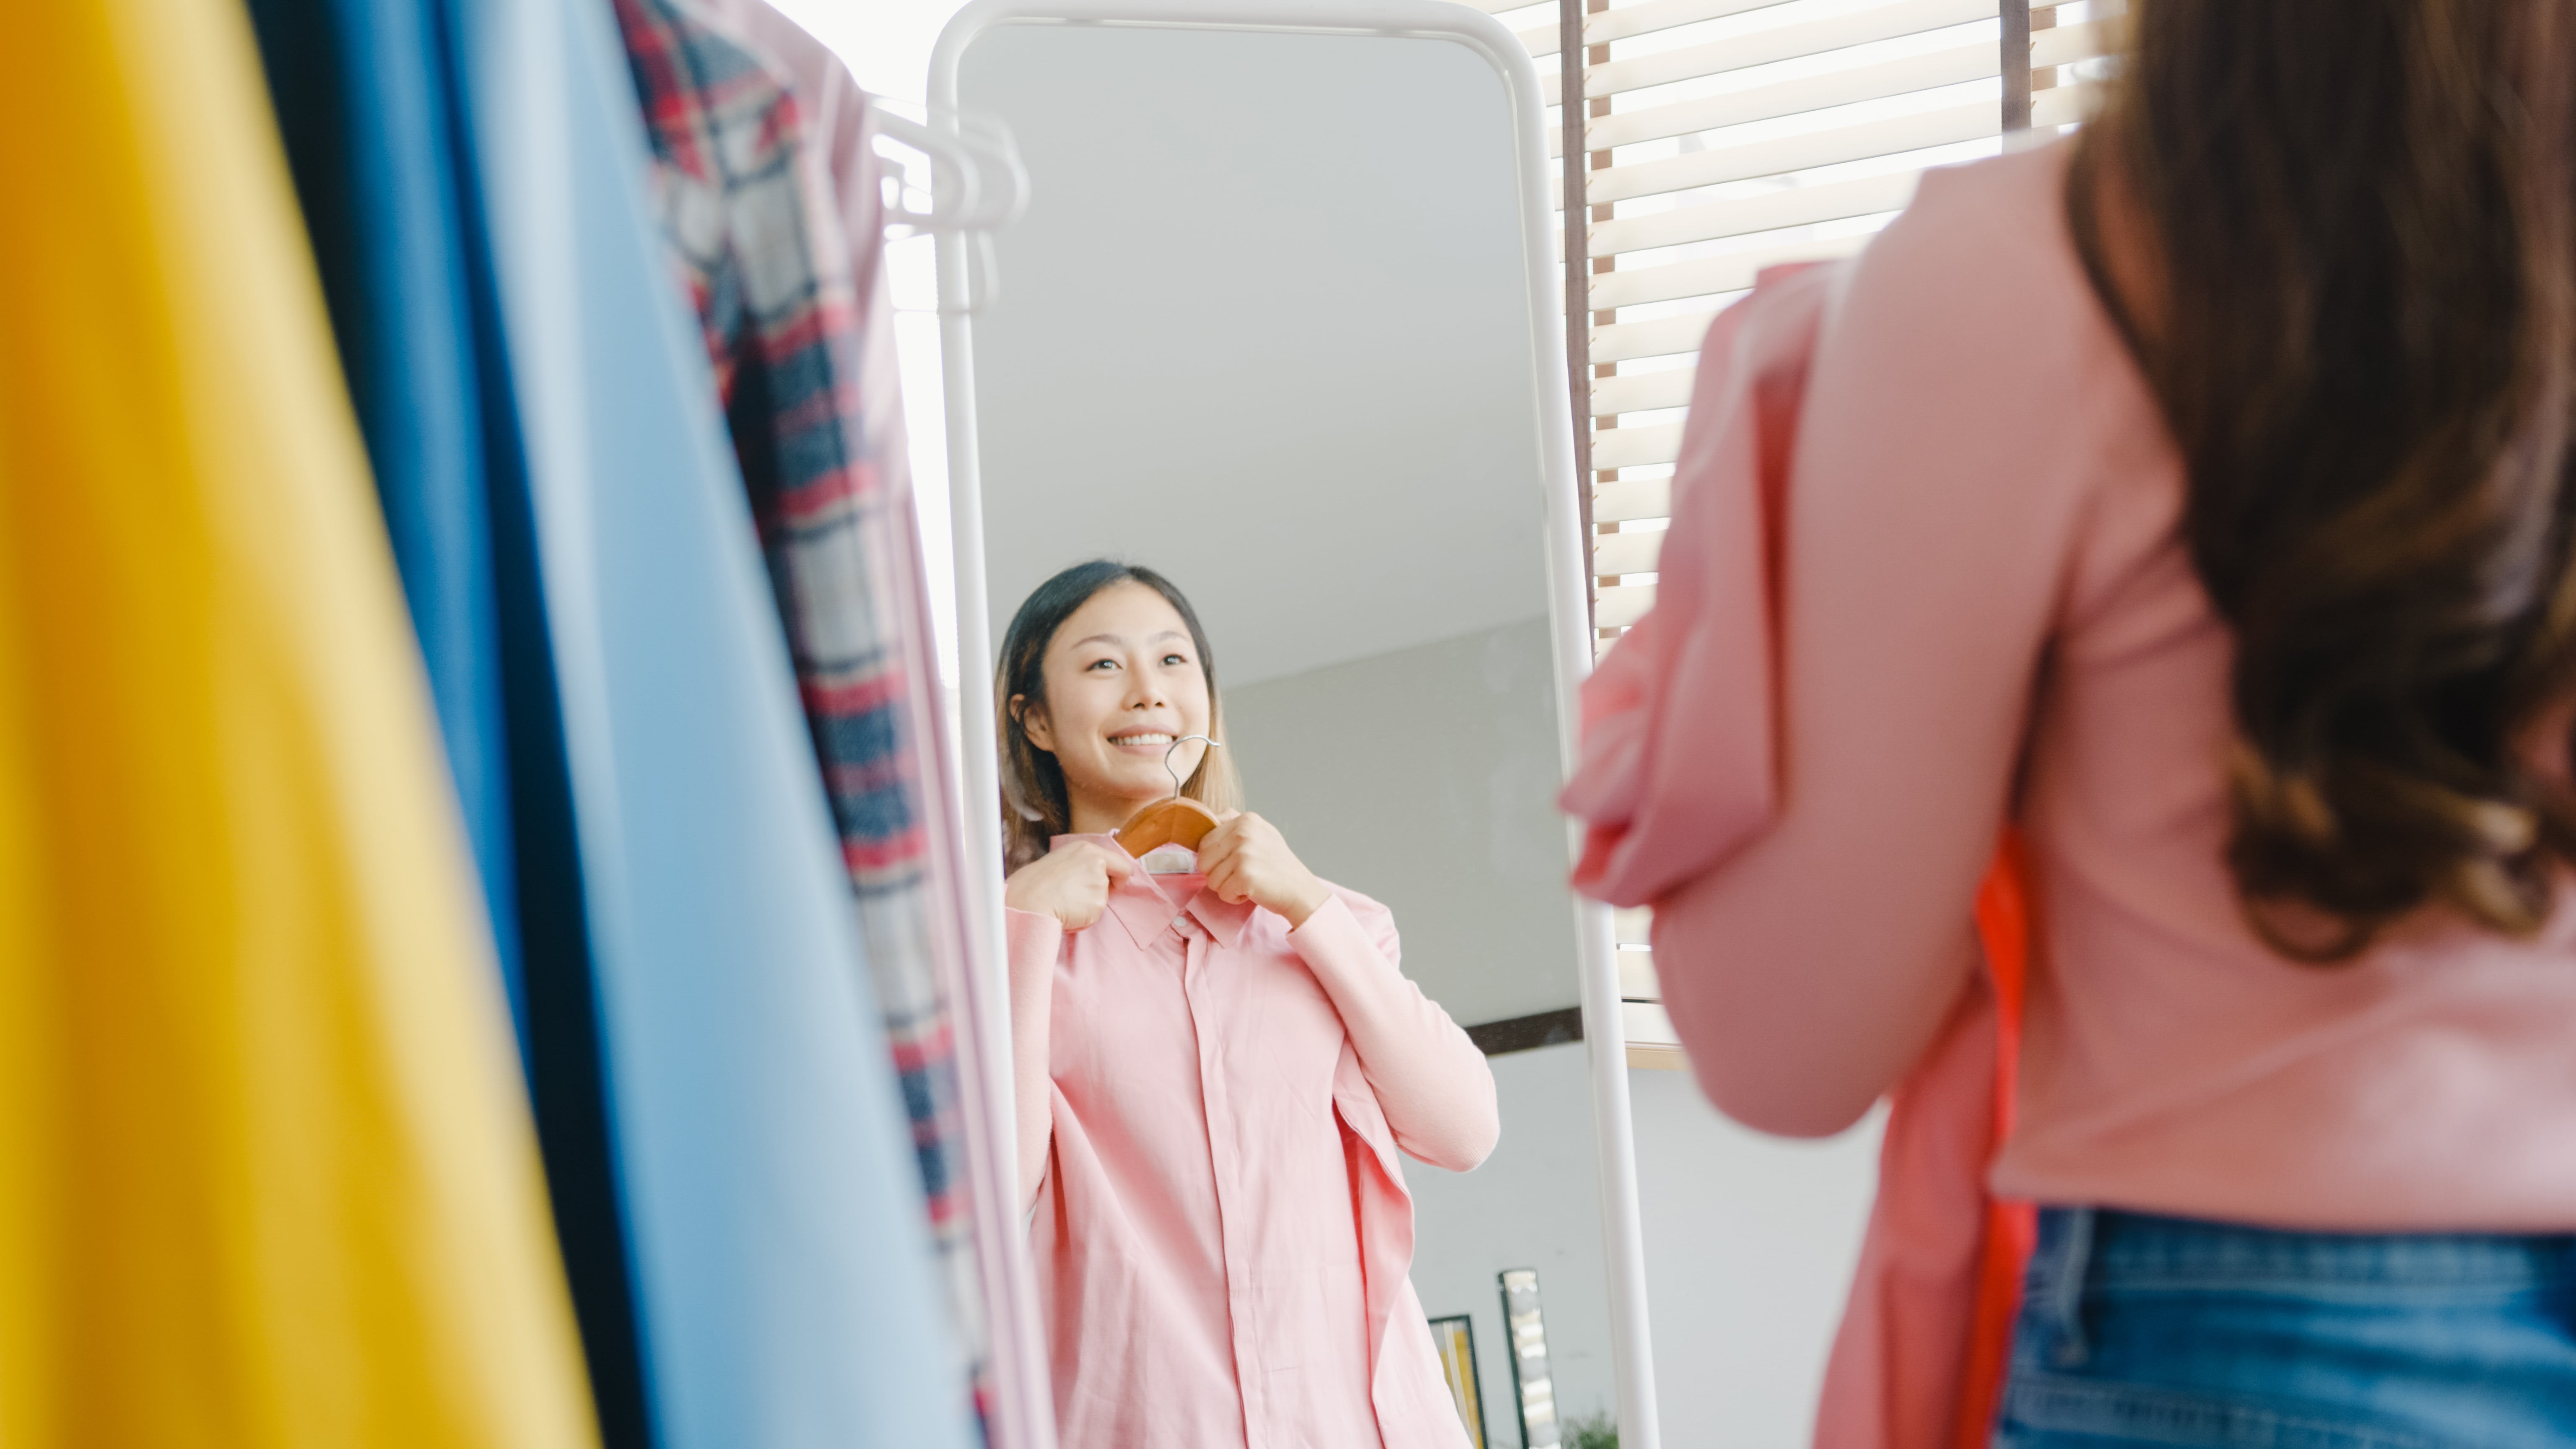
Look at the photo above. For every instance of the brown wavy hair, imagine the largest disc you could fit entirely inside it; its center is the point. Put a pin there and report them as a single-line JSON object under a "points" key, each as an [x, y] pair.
{"points": [[2353, 291], [1035, 807]]}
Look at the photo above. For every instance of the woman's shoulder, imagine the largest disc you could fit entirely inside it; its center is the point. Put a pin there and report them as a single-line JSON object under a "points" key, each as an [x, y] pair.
{"points": [[1372, 916], [2032, 177], [1982, 267], [1365, 908], [1992, 219], [1970, 336]]}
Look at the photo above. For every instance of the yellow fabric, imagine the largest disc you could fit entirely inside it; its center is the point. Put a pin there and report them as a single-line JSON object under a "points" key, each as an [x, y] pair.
{"points": [[266, 1173]]}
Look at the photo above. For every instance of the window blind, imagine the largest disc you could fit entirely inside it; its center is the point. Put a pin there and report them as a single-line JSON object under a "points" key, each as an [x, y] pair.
{"points": [[1720, 137]]}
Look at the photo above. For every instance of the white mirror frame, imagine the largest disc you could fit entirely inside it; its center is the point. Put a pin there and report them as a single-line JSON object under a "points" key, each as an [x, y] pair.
{"points": [[1023, 1357]]}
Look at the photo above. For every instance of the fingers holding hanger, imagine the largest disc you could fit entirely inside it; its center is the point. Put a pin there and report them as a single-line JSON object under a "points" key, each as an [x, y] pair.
{"points": [[1247, 859], [1217, 856], [1071, 884]]}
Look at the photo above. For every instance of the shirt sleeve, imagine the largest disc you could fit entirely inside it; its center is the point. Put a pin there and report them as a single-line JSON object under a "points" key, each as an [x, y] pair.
{"points": [[1803, 757], [1430, 1080], [1034, 943]]}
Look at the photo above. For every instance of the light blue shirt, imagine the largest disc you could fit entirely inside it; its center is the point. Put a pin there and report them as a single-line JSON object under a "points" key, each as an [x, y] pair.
{"points": [[781, 1250]]}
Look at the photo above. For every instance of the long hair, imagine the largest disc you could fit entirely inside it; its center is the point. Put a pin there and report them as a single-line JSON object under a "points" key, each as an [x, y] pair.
{"points": [[2360, 217], [1035, 807]]}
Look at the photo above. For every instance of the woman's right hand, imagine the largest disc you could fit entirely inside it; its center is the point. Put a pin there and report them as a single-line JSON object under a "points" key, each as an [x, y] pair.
{"points": [[1071, 884]]}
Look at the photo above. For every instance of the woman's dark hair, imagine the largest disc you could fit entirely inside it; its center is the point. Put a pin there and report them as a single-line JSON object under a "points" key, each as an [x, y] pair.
{"points": [[1034, 804], [2360, 243]]}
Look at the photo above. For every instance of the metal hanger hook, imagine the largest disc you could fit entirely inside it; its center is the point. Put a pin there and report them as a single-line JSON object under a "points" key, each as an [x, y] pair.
{"points": [[1176, 744]]}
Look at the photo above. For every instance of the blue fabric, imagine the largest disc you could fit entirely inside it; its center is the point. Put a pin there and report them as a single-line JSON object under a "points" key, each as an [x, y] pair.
{"points": [[2139, 1330], [780, 1254], [364, 115], [367, 103]]}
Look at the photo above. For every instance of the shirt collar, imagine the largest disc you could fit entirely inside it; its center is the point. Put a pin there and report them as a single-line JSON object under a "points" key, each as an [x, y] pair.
{"points": [[1147, 904]]}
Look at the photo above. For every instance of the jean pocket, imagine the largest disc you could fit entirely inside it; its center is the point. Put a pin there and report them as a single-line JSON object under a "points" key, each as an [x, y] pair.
{"points": [[2041, 1411]]}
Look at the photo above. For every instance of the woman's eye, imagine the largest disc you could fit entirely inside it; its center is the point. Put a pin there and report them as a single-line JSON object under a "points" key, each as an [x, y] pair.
{"points": [[1104, 664], [1176, 659]]}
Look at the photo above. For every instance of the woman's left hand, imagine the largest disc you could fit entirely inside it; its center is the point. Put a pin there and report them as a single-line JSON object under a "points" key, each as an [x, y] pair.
{"points": [[1247, 859]]}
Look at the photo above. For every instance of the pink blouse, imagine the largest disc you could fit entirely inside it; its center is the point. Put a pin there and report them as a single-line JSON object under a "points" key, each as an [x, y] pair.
{"points": [[1940, 586], [1223, 1232]]}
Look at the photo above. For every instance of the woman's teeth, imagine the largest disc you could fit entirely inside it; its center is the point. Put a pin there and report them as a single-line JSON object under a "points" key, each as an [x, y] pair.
{"points": [[1144, 739]]}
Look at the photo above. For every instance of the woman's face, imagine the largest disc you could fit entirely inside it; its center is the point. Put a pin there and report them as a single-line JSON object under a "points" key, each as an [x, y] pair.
{"points": [[1123, 681]]}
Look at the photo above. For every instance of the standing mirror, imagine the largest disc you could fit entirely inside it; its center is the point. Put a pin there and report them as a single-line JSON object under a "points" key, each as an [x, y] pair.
{"points": [[1280, 324]]}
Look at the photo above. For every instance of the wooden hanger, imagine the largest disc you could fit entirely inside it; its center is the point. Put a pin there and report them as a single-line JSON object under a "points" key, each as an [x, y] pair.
{"points": [[1176, 821], [1166, 822]]}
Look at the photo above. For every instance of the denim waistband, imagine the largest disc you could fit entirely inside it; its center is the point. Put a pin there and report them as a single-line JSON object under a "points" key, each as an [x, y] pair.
{"points": [[2114, 1249], [2083, 1250]]}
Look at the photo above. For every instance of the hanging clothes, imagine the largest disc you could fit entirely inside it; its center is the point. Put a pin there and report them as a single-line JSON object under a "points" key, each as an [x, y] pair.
{"points": [[981, 1191], [265, 1172], [784, 1281], [365, 117], [367, 97], [751, 222], [838, 123]]}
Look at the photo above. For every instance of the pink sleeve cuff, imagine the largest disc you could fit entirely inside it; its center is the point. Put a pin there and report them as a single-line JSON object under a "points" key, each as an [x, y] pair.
{"points": [[1034, 939], [1332, 937]]}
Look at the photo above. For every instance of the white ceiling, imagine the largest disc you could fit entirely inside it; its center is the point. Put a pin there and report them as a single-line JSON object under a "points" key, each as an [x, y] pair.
{"points": [[1267, 328]]}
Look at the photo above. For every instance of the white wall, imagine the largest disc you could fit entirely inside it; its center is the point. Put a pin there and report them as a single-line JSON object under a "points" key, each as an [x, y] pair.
{"points": [[1266, 327], [1426, 778], [1750, 1243], [1536, 1203]]}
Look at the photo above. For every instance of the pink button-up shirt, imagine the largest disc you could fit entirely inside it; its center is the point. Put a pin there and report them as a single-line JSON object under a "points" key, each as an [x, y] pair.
{"points": [[1223, 1232]]}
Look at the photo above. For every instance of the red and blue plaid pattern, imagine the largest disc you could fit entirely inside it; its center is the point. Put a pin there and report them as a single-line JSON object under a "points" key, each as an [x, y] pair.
{"points": [[760, 250]]}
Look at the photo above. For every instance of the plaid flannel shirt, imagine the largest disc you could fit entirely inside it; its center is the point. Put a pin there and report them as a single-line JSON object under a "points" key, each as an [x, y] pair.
{"points": [[769, 275]]}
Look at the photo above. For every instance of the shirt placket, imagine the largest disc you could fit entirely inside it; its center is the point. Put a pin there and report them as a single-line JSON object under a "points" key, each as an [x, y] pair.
{"points": [[1225, 1159]]}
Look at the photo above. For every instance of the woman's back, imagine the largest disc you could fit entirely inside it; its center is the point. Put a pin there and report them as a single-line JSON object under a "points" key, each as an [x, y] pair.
{"points": [[2195, 497], [1985, 603]]}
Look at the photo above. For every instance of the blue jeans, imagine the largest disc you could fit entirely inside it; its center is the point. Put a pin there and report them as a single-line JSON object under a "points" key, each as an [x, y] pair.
{"points": [[2139, 1330]]}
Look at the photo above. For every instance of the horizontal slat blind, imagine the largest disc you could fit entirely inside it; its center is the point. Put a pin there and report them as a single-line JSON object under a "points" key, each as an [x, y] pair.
{"points": [[1645, 392], [1730, 136], [1626, 553], [1651, 1040], [1710, 220], [1758, 103], [1604, 27], [1619, 608], [1624, 502], [1722, 137], [1781, 42]]}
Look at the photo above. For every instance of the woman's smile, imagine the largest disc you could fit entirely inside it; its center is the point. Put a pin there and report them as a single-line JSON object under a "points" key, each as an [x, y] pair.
{"points": [[1124, 685]]}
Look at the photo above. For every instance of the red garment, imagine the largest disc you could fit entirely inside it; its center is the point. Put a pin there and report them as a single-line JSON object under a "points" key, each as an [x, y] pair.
{"points": [[1927, 1332], [2003, 926]]}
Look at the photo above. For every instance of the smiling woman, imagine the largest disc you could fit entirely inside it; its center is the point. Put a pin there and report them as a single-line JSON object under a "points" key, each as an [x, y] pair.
{"points": [[1105, 662], [1213, 1085], [1326, 396]]}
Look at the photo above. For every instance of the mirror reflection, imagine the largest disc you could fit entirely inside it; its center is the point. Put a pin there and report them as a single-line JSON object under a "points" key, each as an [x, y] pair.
{"points": [[1263, 492]]}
